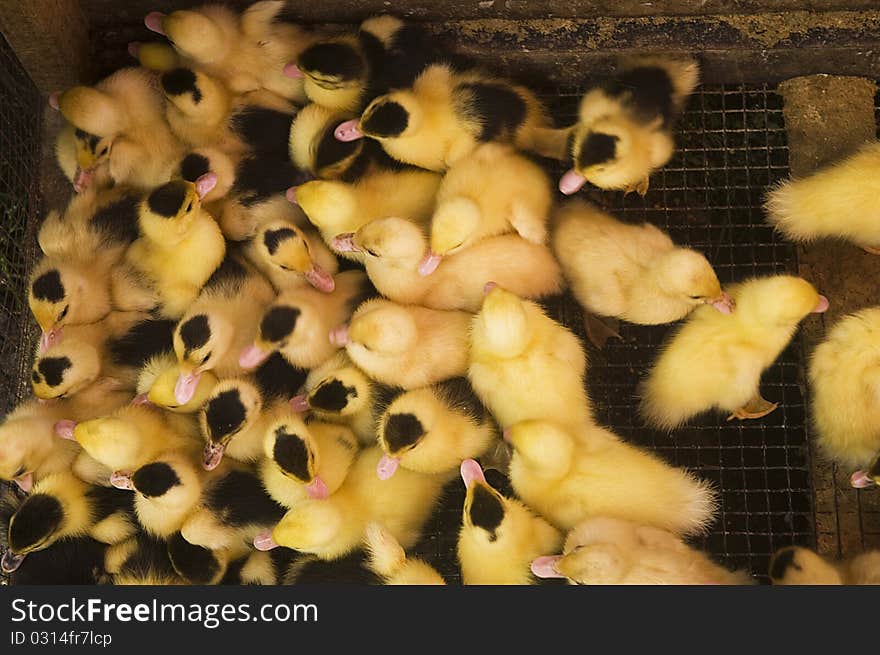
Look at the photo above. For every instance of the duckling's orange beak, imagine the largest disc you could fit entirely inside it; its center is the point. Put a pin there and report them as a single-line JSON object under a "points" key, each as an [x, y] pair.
{"points": [[348, 131]]}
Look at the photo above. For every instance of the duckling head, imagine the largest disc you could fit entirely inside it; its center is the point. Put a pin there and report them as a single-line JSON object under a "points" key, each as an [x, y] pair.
{"points": [[200, 341], [343, 393], [598, 151], [781, 300], [202, 161], [452, 227], [169, 211], [395, 115], [543, 445], [325, 202], [109, 439], [315, 148], [309, 527], [385, 330], [56, 296], [65, 369], [196, 95], [193, 34], [484, 508], [285, 246], [400, 432], [152, 480], [162, 391], [395, 241], [334, 64], [94, 113], [234, 406], [799, 566], [34, 526], [289, 444], [92, 152], [685, 274], [501, 328], [278, 329], [589, 564]]}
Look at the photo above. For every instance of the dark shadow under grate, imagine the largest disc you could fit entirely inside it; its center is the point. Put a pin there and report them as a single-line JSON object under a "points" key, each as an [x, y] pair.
{"points": [[21, 112], [731, 145]]}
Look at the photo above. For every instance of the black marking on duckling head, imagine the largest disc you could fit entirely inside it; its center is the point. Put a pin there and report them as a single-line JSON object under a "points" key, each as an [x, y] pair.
{"points": [[279, 323], [499, 109], [597, 148], [107, 501], [195, 333], [155, 479], [48, 286], [291, 454], [239, 498], [53, 368], [143, 341], [333, 396], [231, 274], [387, 119], [118, 221], [36, 378], [258, 179], [650, 90], [179, 81], [264, 130], [335, 60], [782, 562], [168, 199], [196, 564], [225, 414], [149, 560], [458, 394], [193, 166], [91, 140], [273, 238], [278, 378], [36, 520], [487, 510], [352, 569], [331, 150], [403, 431]]}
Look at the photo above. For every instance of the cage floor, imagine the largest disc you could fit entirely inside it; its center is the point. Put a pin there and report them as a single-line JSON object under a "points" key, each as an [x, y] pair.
{"points": [[731, 145]]}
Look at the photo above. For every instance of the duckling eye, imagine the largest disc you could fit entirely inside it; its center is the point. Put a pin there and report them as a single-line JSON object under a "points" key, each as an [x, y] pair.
{"points": [[103, 151], [188, 207], [696, 297], [206, 357], [63, 312], [372, 252], [19, 472], [283, 267]]}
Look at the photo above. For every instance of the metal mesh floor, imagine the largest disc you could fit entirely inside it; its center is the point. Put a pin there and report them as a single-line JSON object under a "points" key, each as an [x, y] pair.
{"points": [[731, 145], [21, 112]]}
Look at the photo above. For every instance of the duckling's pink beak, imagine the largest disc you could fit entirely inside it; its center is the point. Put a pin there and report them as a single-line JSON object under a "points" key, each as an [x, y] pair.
{"points": [[545, 566], [153, 21], [49, 339], [252, 356], [348, 131], [821, 306], [290, 194], [292, 70], [11, 561], [54, 100], [134, 48], [320, 279], [213, 455], [122, 480], [339, 335], [487, 288], [571, 182], [185, 388], [344, 243], [724, 304], [317, 489], [141, 399], [205, 184], [429, 263], [64, 429], [471, 473], [387, 467], [860, 480], [82, 179], [25, 482], [264, 541], [299, 403]]}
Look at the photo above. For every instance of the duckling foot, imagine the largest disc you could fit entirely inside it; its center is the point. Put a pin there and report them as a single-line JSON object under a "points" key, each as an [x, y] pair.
{"points": [[757, 407], [872, 250], [640, 187], [599, 331]]}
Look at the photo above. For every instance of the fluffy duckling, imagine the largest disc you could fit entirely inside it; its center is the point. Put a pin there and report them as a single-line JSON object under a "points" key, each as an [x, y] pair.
{"points": [[238, 412], [335, 207], [492, 191], [291, 257], [844, 371], [60, 506], [716, 360], [180, 245], [631, 272], [795, 565], [393, 250], [624, 128], [134, 435], [335, 526], [166, 491], [345, 72], [120, 134], [250, 189], [405, 345], [602, 551], [835, 201], [445, 114], [499, 536], [202, 111], [339, 392], [305, 461], [219, 324], [389, 560], [431, 430], [158, 379], [141, 560], [299, 322], [524, 365], [248, 51], [569, 478]]}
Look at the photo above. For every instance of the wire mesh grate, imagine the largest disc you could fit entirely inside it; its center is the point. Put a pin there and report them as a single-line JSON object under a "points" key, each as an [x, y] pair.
{"points": [[20, 134]]}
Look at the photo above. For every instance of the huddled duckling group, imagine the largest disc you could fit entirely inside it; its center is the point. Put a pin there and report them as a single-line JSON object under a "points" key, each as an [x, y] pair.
{"points": [[297, 292]]}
